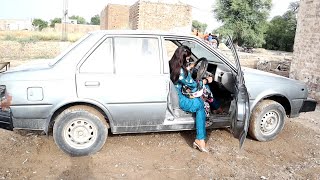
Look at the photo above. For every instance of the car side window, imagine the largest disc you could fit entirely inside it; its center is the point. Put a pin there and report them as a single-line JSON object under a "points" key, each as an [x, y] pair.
{"points": [[135, 55], [100, 60]]}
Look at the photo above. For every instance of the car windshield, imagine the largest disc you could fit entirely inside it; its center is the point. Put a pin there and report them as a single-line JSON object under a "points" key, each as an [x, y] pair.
{"points": [[224, 51], [199, 51]]}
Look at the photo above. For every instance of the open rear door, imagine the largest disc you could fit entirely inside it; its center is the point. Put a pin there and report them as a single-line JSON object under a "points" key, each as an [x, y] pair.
{"points": [[241, 114]]}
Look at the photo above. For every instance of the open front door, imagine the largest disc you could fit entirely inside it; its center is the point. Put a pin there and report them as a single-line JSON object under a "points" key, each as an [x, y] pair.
{"points": [[241, 114]]}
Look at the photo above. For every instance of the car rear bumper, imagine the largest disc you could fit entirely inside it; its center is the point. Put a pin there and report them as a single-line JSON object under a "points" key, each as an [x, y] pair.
{"points": [[308, 105], [6, 120]]}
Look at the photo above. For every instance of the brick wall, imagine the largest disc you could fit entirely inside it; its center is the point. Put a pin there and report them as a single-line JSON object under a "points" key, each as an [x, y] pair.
{"points": [[103, 18], [306, 62], [147, 15], [163, 16], [115, 16], [134, 16]]}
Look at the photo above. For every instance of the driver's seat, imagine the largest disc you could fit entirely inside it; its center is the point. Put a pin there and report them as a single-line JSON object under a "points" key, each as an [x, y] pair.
{"points": [[173, 103], [173, 97]]}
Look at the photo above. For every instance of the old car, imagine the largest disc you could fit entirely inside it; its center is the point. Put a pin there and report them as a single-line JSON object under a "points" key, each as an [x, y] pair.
{"points": [[121, 80]]}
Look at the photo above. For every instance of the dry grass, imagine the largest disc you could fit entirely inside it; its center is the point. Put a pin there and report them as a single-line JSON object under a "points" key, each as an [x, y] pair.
{"points": [[34, 36], [18, 47]]}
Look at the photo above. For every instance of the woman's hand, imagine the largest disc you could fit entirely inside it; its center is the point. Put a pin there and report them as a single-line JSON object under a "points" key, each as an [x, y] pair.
{"points": [[207, 80], [190, 66]]}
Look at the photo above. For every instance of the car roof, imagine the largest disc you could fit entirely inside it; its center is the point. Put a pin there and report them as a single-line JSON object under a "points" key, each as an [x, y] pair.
{"points": [[142, 32]]}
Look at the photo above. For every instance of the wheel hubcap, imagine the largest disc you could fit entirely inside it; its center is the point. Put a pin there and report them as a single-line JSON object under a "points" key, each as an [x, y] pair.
{"points": [[269, 122], [80, 133]]}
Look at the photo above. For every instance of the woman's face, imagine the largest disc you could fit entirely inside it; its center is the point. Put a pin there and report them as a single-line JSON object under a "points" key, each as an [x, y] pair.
{"points": [[188, 58]]}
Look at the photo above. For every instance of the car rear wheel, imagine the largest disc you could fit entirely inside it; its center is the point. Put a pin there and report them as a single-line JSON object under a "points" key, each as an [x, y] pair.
{"points": [[80, 130], [267, 120]]}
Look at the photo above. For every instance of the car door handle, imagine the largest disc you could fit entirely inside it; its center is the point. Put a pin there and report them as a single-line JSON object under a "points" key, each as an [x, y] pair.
{"points": [[92, 83]]}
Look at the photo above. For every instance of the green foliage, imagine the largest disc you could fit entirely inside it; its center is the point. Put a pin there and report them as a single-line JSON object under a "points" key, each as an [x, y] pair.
{"points": [[200, 27], [244, 20], [80, 20], [39, 24], [294, 6], [95, 20], [54, 21], [281, 32]]}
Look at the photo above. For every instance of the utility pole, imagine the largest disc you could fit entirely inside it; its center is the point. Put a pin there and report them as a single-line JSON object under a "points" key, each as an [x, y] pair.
{"points": [[64, 20]]}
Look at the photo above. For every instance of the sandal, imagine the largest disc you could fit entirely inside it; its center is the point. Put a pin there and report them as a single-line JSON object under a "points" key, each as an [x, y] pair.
{"points": [[202, 149]]}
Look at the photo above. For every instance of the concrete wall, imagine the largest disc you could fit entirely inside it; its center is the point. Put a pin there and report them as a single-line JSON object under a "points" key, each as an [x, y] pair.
{"points": [[306, 62], [115, 16], [76, 28]]}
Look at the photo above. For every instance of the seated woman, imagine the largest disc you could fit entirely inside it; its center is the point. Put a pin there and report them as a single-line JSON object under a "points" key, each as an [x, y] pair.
{"points": [[181, 77], [211, 103]]}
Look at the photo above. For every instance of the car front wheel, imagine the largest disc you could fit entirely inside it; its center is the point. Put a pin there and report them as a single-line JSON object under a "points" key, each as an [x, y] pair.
{"points": [[267, 120], [80, 130]]}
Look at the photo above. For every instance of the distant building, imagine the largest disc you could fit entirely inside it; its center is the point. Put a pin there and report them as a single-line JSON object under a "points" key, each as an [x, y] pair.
{"points": [[148, 15], [115, 16], [15, 24], [70, 21], [306, 62], [75, 28]]}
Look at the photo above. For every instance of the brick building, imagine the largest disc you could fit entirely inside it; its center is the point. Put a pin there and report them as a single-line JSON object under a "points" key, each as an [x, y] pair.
{"points": [[148, 15], [115, 16], [306, 63]]}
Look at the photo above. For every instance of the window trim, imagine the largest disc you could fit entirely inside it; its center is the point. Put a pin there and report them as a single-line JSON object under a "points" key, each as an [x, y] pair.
{"points": [[92, 50]]}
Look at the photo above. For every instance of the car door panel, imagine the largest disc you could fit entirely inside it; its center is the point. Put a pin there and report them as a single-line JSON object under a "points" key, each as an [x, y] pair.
{"points": [[133, 97], [241, 114]]}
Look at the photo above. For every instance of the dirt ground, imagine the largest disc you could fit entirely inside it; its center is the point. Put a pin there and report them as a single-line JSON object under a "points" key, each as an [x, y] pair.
{"points": [[294, 154]]}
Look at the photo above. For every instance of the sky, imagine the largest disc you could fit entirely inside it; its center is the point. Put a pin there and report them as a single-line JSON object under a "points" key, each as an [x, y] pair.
{"points": [[49, 9]]}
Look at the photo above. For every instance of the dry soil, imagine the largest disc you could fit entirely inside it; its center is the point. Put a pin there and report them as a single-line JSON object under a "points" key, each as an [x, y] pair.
{"points": [[294, 154]]}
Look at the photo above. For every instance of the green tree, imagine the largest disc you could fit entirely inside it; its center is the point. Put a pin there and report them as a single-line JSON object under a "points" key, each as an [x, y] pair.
{"points": [[281, 32], [39, 24], [80, 20], [244, 20], [200, 27], [95, 20], [294, 6], [54, 21]]}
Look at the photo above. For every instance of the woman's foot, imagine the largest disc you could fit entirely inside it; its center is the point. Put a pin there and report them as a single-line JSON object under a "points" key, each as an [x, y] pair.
{"points": [[218, 111], [201, 145]]}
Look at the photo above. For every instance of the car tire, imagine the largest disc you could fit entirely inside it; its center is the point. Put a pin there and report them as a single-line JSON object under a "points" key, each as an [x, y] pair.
{"points": [[80, 130], [267, 120]]}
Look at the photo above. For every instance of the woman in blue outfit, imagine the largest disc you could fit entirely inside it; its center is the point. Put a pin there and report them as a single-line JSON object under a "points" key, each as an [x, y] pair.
{"points": [[181, 77]]}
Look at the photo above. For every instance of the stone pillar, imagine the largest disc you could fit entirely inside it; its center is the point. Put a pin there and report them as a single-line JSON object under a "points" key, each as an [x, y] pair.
{"points": [[306, 62]]}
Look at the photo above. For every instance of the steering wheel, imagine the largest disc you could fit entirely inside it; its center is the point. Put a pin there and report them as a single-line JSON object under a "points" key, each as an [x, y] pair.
{"points": [[200, 68]]}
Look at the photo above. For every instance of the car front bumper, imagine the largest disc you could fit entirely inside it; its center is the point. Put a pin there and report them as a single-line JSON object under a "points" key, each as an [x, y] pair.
{"points": [[6, 120], [308, 105]]}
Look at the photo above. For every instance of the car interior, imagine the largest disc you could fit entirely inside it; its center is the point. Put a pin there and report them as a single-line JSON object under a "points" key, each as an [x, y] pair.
{"points": [[222, 87]]}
